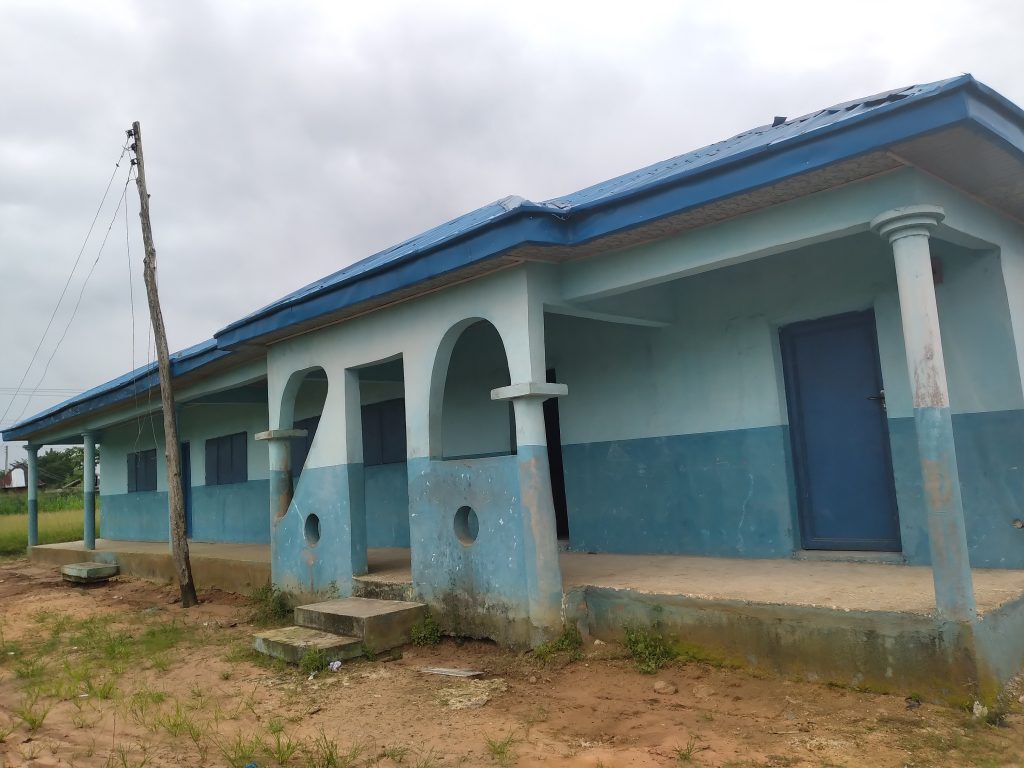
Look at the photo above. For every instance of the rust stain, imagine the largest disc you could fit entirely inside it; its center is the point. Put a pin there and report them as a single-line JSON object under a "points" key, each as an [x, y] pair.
{"points": [[937, 486], [929, 391]]}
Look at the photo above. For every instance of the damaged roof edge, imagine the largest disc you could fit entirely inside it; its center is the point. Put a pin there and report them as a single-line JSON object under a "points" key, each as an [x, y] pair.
{"points": [[560, 223], [115, 391]]}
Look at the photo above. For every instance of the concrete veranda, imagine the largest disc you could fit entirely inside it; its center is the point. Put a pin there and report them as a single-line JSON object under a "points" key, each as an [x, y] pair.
{"points": [[838, 585]]}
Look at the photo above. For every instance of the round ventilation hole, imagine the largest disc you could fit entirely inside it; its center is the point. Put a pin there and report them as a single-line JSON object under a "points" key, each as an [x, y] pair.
{"points": [[467, 526], [312, 529]]}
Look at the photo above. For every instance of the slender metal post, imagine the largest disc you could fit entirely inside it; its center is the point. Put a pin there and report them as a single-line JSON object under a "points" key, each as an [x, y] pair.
{"points": [[89, 490], [32, 487]]}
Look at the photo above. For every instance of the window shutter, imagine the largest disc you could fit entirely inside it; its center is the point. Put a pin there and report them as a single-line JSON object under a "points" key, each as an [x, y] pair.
{"points": [[132, 482]]}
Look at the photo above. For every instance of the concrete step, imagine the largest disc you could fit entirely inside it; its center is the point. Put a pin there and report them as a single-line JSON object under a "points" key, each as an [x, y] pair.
{"points": [[88, 573], [292, 643], [379, 624]]}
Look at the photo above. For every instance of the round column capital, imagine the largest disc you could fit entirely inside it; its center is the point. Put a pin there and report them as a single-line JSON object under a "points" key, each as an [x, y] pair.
{"points": [[908, 221]]}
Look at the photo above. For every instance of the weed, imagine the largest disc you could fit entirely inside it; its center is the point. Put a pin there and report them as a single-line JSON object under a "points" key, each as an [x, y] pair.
{"points": [[426, 632], [269, 605], [121, 757], [321, 752], [282, 749], [313, 660], [179, 722], [395, 754], [648, 648], [5, 731], [501, 750], [104, 690], [685, 754], [160, 638], [275, 726], [160, 662], [426, 760], [31, 712], [30, 669], [225, 674], [569, 643], [239, 751]]}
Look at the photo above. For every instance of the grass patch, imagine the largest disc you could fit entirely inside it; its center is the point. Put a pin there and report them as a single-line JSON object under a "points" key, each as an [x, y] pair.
{"points": [[49, 501], [269, 606], [500, 750], [648, 648], [569, 644], [54, 527], [426, 632], [314, 660]]}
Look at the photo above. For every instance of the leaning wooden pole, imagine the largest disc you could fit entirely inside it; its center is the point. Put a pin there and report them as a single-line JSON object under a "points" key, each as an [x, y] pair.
{"points": [[179, 540]]}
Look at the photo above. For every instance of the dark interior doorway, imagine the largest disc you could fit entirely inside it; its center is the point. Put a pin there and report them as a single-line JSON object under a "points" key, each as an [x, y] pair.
{"points": [[554, 440]]}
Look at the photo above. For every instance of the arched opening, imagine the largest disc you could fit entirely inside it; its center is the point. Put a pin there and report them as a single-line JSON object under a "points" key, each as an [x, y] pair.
{"points": [[472, 424], [385, 474], [310, 394]]}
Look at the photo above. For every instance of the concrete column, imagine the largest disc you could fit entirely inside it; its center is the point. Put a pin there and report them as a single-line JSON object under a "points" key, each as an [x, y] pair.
{"points": [[32, 488], [89, 490], [280, 447], [908, 230], [540, 537]]}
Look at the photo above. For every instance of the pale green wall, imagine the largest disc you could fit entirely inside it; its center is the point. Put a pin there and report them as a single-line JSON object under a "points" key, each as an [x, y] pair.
{"points": [[472, 423], [717, 366]]}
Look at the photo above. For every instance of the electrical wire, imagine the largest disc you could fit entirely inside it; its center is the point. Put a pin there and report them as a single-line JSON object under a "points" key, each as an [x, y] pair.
{"points": [[67, 283], [81, 293]]}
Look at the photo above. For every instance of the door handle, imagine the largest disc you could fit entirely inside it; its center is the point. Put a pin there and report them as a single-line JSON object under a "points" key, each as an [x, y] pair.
{"points": [[880, 398]]}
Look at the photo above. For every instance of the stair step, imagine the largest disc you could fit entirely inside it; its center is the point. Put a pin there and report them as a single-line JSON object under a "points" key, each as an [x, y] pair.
{"points": [[88, 573], [380, 624], [292, 643]]}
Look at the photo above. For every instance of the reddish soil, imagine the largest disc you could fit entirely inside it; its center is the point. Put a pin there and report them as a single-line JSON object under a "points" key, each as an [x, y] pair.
{"points": [[595, 712]]}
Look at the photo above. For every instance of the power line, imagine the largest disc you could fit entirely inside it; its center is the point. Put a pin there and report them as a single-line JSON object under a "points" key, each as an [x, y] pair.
{"points": [[81, 292], [67, 282]]}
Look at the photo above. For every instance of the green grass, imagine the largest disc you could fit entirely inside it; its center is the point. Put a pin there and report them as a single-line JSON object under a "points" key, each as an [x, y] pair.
{"points": [[54, 527], [269, 606], [568, 645], [426, 632], [650, 651], [52, 501]]}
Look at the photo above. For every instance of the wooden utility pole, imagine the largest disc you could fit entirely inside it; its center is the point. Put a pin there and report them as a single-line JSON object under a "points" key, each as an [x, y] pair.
{"points": [[179, 540]]}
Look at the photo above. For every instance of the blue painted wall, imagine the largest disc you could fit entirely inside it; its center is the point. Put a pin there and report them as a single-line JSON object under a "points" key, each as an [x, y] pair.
{"points": [[478, 589], [135, 516], [666, 431], [237, 512], [716, 493], [387, 505]]}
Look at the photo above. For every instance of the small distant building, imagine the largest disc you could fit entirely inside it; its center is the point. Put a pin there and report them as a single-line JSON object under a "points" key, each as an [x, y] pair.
{"points": [[796, 348]]}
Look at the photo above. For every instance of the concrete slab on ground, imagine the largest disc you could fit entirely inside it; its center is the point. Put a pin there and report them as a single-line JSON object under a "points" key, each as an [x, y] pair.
{"points": [[292, 643], [380, 624], [88, 573]]}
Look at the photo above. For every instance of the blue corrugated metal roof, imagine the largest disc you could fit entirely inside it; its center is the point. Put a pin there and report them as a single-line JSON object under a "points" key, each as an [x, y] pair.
{"points": [[758, 140], [120, 389], [746, 161]]}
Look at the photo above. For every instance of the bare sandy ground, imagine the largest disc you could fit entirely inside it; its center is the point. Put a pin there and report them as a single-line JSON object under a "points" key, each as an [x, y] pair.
{"points": [[124, 677]]}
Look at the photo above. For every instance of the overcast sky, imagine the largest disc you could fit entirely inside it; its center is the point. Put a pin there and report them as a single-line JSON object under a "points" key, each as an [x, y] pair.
{"points": [[285, 140]]}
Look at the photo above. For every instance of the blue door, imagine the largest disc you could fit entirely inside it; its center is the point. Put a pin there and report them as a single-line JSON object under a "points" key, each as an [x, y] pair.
{"points": [[186, 486], [840, 435]]}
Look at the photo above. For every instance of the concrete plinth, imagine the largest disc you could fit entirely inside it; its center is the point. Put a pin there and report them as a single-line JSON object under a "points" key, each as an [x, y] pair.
{"points": [[292, 643], [88, 573], [379, 624]]}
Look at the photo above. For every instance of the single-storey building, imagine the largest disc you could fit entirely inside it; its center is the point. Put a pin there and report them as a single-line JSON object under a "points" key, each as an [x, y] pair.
{"points": [[798, 348]]}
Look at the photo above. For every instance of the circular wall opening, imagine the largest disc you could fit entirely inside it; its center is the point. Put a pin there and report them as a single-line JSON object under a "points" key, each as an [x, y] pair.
{"points": [[467, 526], [312, 529]]}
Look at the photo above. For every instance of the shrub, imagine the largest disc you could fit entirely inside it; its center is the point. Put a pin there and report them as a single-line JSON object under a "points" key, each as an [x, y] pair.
{"points": [[269, 606], [650, 651], [426, 632]]}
